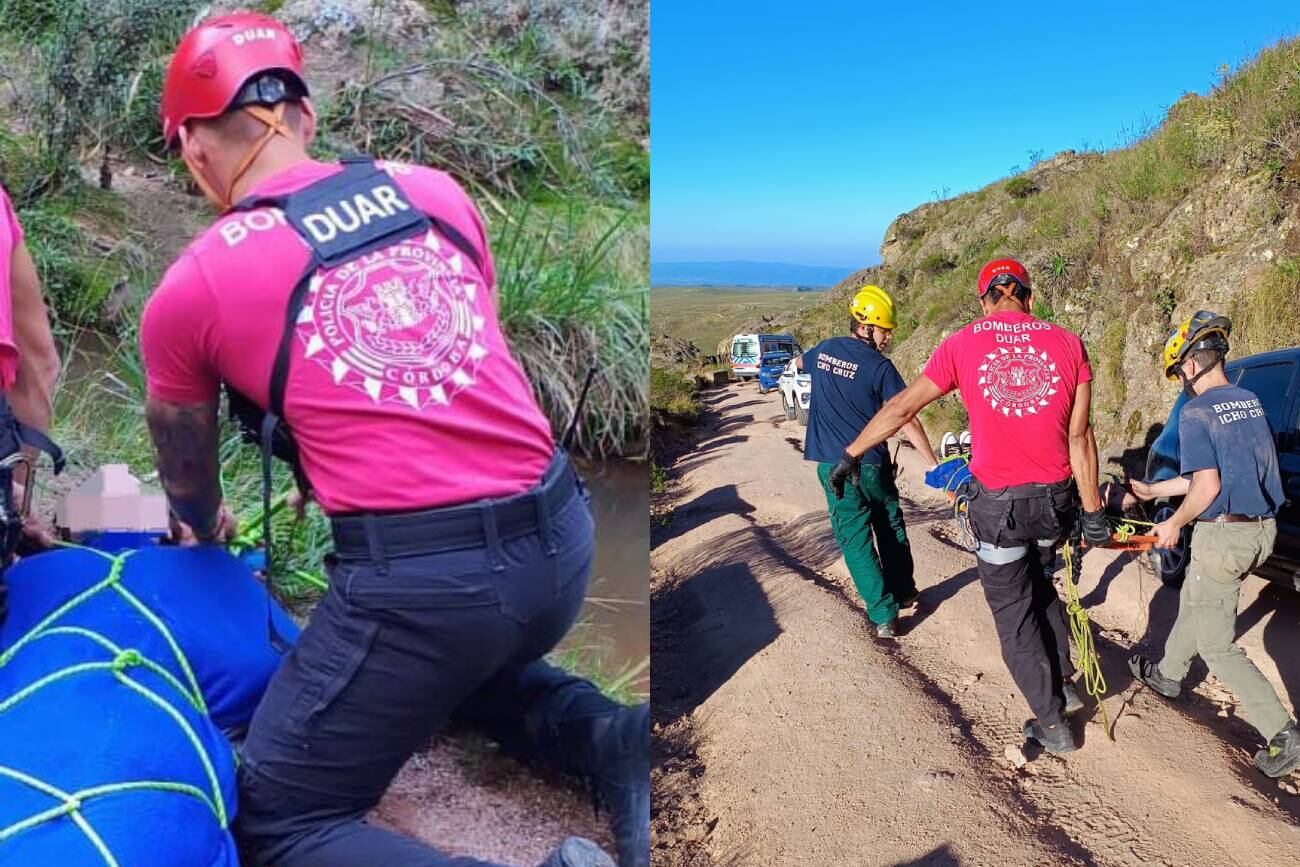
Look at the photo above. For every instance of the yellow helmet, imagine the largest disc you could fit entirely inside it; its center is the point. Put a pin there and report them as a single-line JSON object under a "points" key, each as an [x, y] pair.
{"points": [[1202, 330], [873, 306]]}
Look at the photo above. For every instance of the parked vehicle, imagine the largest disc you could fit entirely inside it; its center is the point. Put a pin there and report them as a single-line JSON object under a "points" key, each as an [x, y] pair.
{"points": [[1275, 378], [749, 352], [796, 392]]}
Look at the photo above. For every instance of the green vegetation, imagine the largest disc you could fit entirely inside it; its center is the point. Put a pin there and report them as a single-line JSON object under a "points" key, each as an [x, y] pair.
{"points": [[1269, 317], [1020, 188], [708, 316], [674, 394], [1144, 226], [937, 262], [559, 172]]}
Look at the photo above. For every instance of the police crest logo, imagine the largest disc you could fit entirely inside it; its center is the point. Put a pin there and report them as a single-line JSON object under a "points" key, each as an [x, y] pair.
{"points": [[1018, 381], [399, 324]]}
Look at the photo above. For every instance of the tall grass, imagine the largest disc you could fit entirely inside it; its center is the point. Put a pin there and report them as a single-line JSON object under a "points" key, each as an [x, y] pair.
{"points": [[568, 309], [98, 73]]}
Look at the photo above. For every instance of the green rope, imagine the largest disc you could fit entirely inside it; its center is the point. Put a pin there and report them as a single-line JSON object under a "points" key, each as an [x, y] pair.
{"points": [[145, 661], [123, 660]]}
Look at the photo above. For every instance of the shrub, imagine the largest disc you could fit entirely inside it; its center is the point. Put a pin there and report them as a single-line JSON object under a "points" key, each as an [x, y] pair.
{"points": [[672, 394], [1020, 188], [938, 262]]}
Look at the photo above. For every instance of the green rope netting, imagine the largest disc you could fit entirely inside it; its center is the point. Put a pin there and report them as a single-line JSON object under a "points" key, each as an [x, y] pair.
{"points": [[122, 662]]}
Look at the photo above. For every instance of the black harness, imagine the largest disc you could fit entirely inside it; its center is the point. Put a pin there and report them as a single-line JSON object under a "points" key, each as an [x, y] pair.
{"points": [[14, 435], [314, 213]]}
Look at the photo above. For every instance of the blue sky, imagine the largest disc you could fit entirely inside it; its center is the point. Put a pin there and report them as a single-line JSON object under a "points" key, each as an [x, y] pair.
{"points": [[796, 132]]}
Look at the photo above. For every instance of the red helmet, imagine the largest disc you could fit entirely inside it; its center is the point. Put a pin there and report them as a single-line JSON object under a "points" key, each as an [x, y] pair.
{"points": [[1001, 268], [216, 60]]}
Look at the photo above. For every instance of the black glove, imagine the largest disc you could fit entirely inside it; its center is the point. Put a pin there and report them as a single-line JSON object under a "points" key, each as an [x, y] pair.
{"points": [[847, 468], [1096, 532]]}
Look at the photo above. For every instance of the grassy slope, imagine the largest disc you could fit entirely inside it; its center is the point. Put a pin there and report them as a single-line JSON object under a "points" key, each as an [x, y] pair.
{"points": [[1200, 212]]}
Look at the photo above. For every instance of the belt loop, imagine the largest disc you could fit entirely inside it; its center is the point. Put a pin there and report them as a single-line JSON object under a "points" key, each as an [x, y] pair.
{"points": [[543, 504], [492, 536], [375, 542]]}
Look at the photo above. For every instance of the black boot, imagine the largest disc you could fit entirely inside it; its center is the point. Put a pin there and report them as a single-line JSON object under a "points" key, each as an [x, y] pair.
{"points": [[1282, 755], [1149, 673], [578, 852], [1055, 739], [621, 781], [1072, 701]]}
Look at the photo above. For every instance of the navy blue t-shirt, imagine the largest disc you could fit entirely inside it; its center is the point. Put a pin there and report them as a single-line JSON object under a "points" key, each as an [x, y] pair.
{"points": [[850, 381], [1226, 428]]}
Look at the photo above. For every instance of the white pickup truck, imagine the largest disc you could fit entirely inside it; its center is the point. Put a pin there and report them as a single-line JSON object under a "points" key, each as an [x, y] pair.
{"points": [[796, 392]]}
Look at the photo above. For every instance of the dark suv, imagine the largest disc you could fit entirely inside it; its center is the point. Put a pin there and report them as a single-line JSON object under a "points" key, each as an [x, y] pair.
{"points": [[1275, 378]]}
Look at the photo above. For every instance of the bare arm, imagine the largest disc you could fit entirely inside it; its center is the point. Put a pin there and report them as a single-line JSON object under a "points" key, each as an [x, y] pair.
{"points": [[915, 434], [897, 411], [798, 361], [1175, 487], [1201, 491], [185, 441], [32, 396], [1083, 448]]}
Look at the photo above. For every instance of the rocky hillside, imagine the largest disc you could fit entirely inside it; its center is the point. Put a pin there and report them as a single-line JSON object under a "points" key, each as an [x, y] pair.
{"points": [[1201, 212]]}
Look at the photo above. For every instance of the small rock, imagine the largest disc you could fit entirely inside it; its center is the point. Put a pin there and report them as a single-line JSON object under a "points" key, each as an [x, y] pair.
{"points": [[972, 679], [1288, 787], [1016, 756]]}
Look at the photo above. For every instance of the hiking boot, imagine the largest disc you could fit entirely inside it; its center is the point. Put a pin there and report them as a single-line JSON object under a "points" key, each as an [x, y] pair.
{"points": [[622, 784], [1149, 673], [1282, 756], [578, 852], [888, 629], [1072, 701], [1055, 739]]}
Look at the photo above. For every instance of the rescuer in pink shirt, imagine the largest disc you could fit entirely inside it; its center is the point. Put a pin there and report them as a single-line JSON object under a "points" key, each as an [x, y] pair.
{"points": [[349, 311], [29, 371], [1027, 387]]}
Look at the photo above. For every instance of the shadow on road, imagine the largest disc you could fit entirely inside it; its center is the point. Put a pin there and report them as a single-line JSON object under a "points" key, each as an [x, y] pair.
{"points": [[722, 500], [943, 856]]}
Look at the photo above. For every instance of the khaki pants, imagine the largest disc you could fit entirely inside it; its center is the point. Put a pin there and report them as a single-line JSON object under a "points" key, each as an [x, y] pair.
{"points": [[1222, 554]]}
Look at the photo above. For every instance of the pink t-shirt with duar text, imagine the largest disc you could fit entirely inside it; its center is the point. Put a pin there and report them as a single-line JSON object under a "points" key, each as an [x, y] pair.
{"points": [[1017, 376], [402, 393], [11, 237]]}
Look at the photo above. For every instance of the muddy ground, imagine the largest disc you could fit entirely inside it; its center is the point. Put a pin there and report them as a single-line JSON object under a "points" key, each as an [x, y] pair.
{"points": [[787, 735]]}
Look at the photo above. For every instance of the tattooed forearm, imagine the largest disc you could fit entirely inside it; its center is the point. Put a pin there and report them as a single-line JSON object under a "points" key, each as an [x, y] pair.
{"points": [[185, 442]]}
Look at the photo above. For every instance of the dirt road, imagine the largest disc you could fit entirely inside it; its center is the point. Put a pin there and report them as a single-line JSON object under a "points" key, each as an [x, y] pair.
{"points": [[787, 735]]}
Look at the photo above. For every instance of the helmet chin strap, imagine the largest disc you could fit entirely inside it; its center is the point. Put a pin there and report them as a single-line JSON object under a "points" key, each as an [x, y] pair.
{"points": [[1188, 383], [869, 338], [275, 125]]}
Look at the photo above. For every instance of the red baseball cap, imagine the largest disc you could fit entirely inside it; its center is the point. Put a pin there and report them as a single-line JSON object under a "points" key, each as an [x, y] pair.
{"points": [[215, 60], [998, 268]]}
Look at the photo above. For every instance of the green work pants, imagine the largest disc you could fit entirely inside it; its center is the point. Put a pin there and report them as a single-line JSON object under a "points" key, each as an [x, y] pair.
{"points": [[1222, 554], [870, 508]]}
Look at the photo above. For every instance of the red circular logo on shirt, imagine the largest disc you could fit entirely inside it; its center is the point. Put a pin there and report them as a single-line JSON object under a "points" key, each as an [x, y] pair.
{"points": [[1018, 381], [398, 324]]}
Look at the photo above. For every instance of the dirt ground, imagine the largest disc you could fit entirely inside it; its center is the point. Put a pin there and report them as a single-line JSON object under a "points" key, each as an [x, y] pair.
{"points": [[787, 735]]}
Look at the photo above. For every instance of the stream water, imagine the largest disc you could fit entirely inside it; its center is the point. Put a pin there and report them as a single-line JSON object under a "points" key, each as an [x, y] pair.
{"points": [[616, 619]]}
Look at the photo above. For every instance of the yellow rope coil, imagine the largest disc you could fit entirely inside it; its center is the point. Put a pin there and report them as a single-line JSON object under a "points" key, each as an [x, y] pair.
{"points": [[1094, 682]]}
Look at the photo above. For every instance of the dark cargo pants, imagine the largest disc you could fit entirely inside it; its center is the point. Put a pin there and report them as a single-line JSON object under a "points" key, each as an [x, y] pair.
{"points": [[395, 649], [1016, 532]]}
